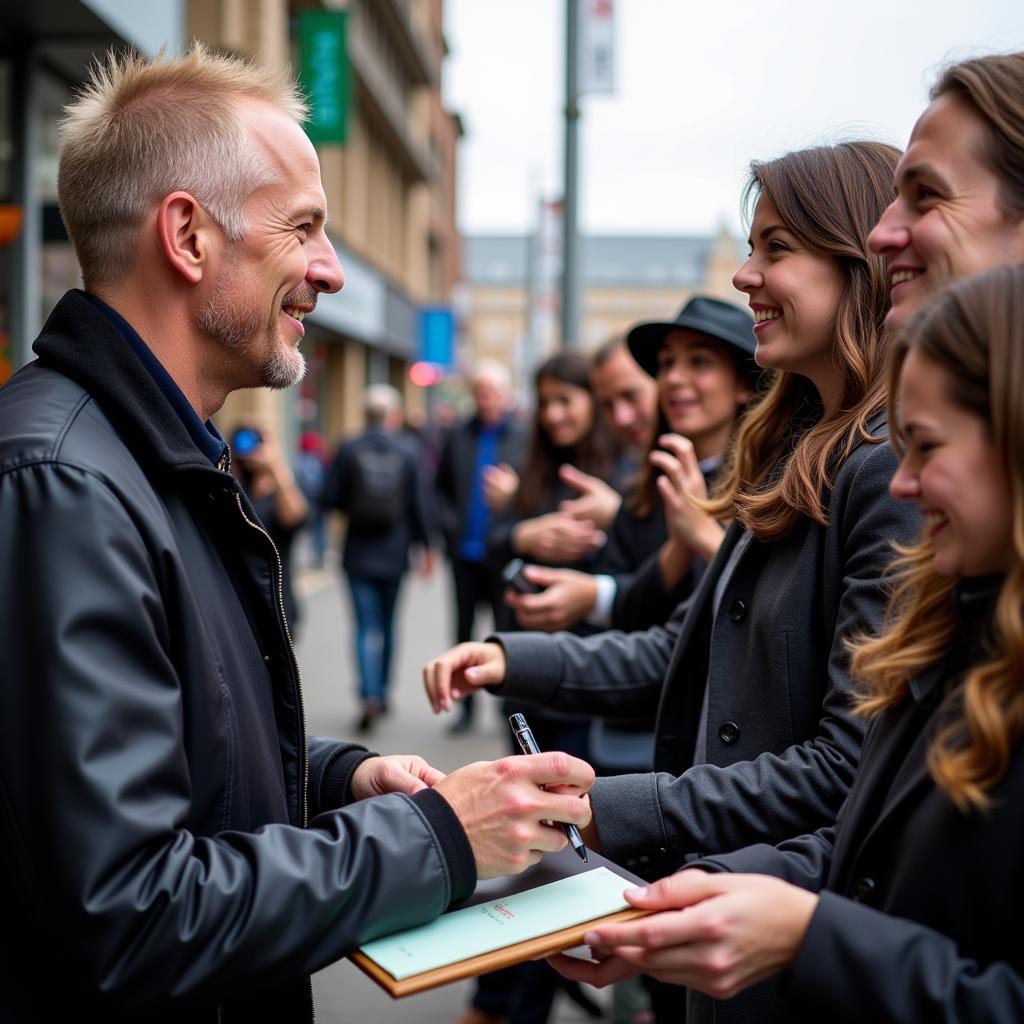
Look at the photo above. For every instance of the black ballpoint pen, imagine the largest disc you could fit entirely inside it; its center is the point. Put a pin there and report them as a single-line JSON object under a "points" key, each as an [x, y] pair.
{"points": [[528, 745]]}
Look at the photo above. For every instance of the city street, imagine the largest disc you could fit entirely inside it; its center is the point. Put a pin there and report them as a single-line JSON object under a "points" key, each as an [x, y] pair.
{"points": [[343, 994]]}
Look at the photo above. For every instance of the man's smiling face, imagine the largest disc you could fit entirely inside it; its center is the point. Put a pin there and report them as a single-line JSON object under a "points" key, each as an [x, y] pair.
{"points": [[269, 279], [948, 219]]}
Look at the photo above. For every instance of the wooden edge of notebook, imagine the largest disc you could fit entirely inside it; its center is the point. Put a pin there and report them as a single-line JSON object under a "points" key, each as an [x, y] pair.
{"points": [[529, 949]]}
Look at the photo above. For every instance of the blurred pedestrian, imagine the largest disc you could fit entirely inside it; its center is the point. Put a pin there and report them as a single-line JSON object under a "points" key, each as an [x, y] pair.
{"points": [[276, 498], [475, 478], [311, 476], [377, 482]]}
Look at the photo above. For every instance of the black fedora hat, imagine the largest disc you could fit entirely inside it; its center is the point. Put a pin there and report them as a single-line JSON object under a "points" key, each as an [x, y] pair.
{"points": [[721, 320]]}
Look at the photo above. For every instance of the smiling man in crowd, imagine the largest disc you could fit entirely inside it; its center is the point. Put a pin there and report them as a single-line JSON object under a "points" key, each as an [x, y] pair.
{"points": [[172, 837]]}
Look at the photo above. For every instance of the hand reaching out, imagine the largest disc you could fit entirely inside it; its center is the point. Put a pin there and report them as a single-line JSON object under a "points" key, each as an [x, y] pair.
{"points": [[718, 933], [462, 670], [598, 501]]}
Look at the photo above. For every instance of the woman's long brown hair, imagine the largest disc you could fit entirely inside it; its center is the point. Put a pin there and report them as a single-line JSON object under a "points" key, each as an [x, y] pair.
{"points": [[786, 451], [973, 331]]}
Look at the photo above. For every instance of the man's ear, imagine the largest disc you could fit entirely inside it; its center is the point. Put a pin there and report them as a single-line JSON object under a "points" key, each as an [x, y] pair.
{"points": [[186, 233]]}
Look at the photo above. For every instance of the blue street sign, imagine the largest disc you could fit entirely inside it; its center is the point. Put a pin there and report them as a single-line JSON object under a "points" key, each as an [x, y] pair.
{"points": [[437, 336]]}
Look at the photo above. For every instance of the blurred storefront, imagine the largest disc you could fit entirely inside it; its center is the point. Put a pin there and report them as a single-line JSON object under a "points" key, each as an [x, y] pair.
{"points": [[45, 48], [390, 182]]}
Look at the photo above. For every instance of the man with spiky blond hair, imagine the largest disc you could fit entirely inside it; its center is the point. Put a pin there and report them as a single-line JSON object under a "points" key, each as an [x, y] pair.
{"points": [[174, 844]]}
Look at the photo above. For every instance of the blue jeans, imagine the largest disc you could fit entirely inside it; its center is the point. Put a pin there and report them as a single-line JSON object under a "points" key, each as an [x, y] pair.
{"points": [[374, 603]]}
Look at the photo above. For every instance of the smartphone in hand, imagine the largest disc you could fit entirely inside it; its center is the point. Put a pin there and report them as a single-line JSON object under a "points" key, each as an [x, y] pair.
{"points": [[512, 576]]}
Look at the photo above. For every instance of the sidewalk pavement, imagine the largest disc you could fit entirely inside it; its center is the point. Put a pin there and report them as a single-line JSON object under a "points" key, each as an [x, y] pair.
{"points": [[327, 662]]}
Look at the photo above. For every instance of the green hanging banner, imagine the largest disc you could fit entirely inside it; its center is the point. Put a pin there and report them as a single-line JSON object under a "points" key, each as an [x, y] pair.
{"points": [[325, 74]]}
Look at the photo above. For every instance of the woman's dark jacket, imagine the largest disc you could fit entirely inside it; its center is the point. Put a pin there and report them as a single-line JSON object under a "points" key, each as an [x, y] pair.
{"points": [[174, 846], [919, 918]]}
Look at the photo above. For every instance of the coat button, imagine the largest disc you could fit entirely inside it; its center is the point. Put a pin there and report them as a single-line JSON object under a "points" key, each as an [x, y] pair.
{"points": [[737, 611], [863, 890], [729, 732]]}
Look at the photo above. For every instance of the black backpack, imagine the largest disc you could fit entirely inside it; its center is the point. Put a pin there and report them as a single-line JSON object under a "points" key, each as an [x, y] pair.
{"points": [[376, 487]]}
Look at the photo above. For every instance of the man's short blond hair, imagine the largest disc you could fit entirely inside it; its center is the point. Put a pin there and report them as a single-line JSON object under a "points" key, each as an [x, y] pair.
{"points": [[141, 129]]}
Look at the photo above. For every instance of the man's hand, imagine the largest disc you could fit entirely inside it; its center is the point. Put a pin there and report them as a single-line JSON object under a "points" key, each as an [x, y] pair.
{"points": [[598, 501], [396, 773], [507, 814], [556, 538], [500, 484], [717, 933], [569, 596], [462, 670]]}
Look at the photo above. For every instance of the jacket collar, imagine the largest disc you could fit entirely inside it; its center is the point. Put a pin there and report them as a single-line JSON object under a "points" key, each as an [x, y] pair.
{"points": [[78, 341]]}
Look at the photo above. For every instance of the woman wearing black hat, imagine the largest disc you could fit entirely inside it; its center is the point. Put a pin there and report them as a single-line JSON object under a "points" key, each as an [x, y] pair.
{"points": [[756, 740], [703, 363]]}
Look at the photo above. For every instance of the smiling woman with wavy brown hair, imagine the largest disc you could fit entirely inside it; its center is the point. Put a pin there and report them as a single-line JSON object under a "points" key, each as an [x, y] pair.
{"points": [[974, 334], [787, 448]]}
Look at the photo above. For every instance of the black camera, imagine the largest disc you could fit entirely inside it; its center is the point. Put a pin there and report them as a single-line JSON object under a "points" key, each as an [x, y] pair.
{"points": [[512, 575]]}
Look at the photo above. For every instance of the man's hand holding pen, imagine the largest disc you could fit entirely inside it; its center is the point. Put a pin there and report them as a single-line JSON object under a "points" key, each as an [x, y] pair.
{"points": [[507, 807], [528, 745]]}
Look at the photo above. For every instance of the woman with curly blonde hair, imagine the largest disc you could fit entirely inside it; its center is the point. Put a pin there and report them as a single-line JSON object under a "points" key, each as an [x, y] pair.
{"points": [[913, 908]]}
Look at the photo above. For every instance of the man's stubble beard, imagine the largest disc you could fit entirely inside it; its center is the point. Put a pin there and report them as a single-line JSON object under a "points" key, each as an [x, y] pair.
{"points": [[239, 328]]}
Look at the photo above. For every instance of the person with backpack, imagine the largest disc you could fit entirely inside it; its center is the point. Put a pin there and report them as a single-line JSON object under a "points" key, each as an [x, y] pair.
{"points": [[376, 481]]}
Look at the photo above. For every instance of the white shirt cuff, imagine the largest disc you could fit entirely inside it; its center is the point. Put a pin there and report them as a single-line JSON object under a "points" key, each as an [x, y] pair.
{"points": [[601, 615]]}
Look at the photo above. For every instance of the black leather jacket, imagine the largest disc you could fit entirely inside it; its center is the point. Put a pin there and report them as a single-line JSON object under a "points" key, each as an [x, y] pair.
{"points": [[174, 845]]}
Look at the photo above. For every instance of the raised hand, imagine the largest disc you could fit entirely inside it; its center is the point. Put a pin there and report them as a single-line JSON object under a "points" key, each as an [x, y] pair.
{"points": [[462, 670], [500, 484], [691, 531], [598, 501], [556, 537]]}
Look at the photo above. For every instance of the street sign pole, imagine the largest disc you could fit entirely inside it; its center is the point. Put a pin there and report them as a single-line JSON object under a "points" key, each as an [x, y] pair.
{"points": [[570, 235]]}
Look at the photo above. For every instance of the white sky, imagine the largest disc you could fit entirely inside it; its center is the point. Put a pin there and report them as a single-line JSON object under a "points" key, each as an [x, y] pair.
{"points": [[703, 86]]}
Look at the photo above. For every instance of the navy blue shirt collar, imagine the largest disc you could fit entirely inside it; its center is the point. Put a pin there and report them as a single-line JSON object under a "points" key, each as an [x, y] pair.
{"points": [[205, 435]]}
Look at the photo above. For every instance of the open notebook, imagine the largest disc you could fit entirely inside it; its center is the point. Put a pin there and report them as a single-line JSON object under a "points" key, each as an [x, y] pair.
{"points": [[506, 921]]}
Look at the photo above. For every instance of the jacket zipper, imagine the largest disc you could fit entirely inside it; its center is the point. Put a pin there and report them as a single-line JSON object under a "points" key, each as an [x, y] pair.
{"points": [[279, 590]]}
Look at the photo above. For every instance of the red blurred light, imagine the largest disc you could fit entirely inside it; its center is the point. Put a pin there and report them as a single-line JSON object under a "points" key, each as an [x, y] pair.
{"points": [[425, 375]]}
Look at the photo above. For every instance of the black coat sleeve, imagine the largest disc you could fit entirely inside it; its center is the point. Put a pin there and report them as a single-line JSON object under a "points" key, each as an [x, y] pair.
{"points": [[710, 808], [642, 599], [614, 674], [859, 964]]}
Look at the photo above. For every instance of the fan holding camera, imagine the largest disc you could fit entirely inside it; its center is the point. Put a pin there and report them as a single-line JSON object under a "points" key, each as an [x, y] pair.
{"points": [[260, 465]]}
